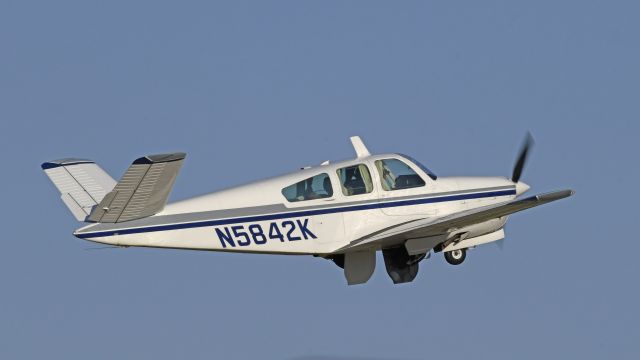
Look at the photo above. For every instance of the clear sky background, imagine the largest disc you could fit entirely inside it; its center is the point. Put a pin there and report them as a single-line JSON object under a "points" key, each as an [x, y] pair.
{"points": [[256, 89]]}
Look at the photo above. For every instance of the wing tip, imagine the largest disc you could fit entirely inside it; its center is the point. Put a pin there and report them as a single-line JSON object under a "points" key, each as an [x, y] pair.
{"points": [[556, 195], [359, 147]]}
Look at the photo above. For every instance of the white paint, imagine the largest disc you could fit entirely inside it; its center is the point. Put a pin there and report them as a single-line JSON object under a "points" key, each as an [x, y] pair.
{"points": [[475, 241], [339, 229], [359, 147], [359, 266]]}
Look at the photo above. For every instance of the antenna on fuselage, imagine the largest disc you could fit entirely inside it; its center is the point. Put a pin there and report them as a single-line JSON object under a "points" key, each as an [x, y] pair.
{"points": [[359, 147]]}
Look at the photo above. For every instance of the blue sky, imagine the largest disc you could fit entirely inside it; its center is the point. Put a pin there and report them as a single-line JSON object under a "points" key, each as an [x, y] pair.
{"points": [[255, 89]]}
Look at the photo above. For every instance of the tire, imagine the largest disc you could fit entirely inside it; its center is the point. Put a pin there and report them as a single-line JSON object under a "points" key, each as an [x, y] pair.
{"points": [[455, 257], [338, 260]]}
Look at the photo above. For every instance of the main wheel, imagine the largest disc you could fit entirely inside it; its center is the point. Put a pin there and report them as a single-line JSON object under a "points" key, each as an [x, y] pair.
{"points": [[455, 257]]}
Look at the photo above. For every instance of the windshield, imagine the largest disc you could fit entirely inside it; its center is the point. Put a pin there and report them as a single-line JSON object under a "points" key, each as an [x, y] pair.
{"points": [[422, 167]]}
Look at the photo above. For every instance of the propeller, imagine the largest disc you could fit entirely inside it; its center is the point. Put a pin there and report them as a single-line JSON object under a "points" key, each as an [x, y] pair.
{"points": [[522, 158], [518, 168]]}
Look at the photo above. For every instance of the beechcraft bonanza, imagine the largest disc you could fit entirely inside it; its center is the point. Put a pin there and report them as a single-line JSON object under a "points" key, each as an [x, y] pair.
{"points": [[343, 211]]}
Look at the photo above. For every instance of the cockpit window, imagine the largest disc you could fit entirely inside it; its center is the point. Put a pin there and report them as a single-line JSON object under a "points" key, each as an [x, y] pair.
{"points": [[430, 173], [355, 180], [316, 187], [396, 175]]}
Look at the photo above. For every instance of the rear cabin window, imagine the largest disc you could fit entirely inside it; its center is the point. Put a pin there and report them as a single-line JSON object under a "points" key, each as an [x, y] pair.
{"points": [[355, 180], [396, 175], [316, 187]]}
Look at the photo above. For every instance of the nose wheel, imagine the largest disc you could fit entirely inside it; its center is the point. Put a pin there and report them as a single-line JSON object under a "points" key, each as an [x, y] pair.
{"points": [[455, 257]]}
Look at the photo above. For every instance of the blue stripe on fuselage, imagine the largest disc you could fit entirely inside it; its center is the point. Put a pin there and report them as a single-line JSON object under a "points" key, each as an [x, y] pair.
{"points": [[267, 217]]}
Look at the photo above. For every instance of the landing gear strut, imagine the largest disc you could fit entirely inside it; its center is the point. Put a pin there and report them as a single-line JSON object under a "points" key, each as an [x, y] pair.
{"points": [[455, 257]]}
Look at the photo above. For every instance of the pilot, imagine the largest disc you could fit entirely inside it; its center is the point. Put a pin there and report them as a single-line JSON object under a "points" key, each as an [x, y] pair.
{"points": [[309, 194], [326, 185]]}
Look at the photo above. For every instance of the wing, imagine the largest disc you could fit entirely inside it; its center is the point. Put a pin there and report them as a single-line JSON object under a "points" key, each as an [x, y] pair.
{"points": [[430, 227]]}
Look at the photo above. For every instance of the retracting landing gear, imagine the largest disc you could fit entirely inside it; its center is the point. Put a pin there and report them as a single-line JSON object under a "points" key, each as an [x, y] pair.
{"points": [[455, 257], [401, 267]]}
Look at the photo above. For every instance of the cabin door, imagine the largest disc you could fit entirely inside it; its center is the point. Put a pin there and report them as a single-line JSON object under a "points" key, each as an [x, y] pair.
{"points": [[402, 191]]}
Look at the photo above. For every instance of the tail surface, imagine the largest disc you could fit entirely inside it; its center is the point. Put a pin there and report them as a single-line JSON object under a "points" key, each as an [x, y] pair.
{"points": [[93, 196], [82, 184], [142, 191]]}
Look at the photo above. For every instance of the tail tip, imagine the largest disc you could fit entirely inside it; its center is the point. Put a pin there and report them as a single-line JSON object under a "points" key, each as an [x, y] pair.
{"points": [[64, 162]]}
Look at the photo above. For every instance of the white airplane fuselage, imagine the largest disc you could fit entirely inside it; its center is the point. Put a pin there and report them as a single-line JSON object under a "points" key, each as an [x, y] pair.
{"points": [[258, 218]]}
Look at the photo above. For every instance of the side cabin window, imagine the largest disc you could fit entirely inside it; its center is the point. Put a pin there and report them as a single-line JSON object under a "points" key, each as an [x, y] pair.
{"points": [[396, 175], [316, 187], [355, 180]]}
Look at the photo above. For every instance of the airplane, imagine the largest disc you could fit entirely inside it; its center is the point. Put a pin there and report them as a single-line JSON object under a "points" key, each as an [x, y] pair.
{"points": [[344, 211]]}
